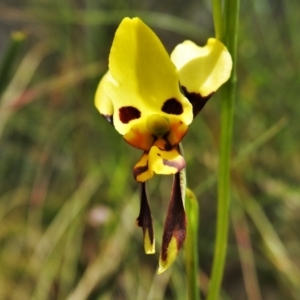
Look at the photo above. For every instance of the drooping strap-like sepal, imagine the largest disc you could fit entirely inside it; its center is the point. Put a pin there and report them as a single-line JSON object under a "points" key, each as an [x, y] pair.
{"points": [[144, 220], [175, 227]]}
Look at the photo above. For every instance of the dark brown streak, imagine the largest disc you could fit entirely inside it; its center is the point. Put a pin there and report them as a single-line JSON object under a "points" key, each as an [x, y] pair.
{"points": [[144, 219], [196, 100], [168, 146], [139, 170]]}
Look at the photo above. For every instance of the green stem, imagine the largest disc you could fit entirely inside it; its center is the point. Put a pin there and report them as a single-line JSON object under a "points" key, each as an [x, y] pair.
{"points": [[227, 111], [191, 245], [218, 20], [9, 58]]}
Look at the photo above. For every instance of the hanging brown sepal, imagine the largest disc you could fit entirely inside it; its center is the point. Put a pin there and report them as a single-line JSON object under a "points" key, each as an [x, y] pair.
{"points": [[175, 227], [144, 220]]}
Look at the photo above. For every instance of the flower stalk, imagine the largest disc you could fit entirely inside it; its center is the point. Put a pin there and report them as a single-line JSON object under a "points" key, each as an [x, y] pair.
{"points": [[218, 19], [191, 245], [230, 22]]}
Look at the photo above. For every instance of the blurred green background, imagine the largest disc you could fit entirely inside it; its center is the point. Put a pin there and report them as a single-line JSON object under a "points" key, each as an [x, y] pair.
{"points": [[68, 200]]}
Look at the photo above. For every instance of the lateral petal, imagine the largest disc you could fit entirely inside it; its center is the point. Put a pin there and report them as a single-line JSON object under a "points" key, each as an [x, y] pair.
{"points": [[102, 101], [202, 69]]}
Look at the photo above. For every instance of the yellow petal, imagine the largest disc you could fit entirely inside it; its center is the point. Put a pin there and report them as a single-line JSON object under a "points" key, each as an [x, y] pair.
{"points": [[102, 101], [165, 162], [202, 69], [146, 81]]}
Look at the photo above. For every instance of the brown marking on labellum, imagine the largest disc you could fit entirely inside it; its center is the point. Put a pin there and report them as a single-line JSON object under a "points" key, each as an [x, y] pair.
{"points": [[172, 106], [175, 223], [168, 146], [139, 170], [196, 100], [144, 219], [128, 113]]}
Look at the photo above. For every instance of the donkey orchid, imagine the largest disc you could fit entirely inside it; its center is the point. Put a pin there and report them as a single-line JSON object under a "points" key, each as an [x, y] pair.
{"points": [[151, 98]]}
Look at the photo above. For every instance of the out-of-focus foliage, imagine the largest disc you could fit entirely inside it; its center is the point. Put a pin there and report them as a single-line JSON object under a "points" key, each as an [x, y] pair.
{"points": [[68, 200]]}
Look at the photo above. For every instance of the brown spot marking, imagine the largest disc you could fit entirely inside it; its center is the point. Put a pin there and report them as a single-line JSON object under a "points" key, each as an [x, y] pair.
{"points": [[128, 113], [172, 106], [196, 100]]}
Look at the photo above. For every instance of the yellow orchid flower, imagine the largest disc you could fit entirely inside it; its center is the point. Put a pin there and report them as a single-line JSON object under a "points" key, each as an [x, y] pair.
{"points": [[151, 98]]}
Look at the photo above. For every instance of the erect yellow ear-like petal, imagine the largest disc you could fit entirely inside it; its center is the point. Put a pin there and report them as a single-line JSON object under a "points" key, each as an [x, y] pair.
{"points": [[102, 101], [146, 81], [202, 69]]}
